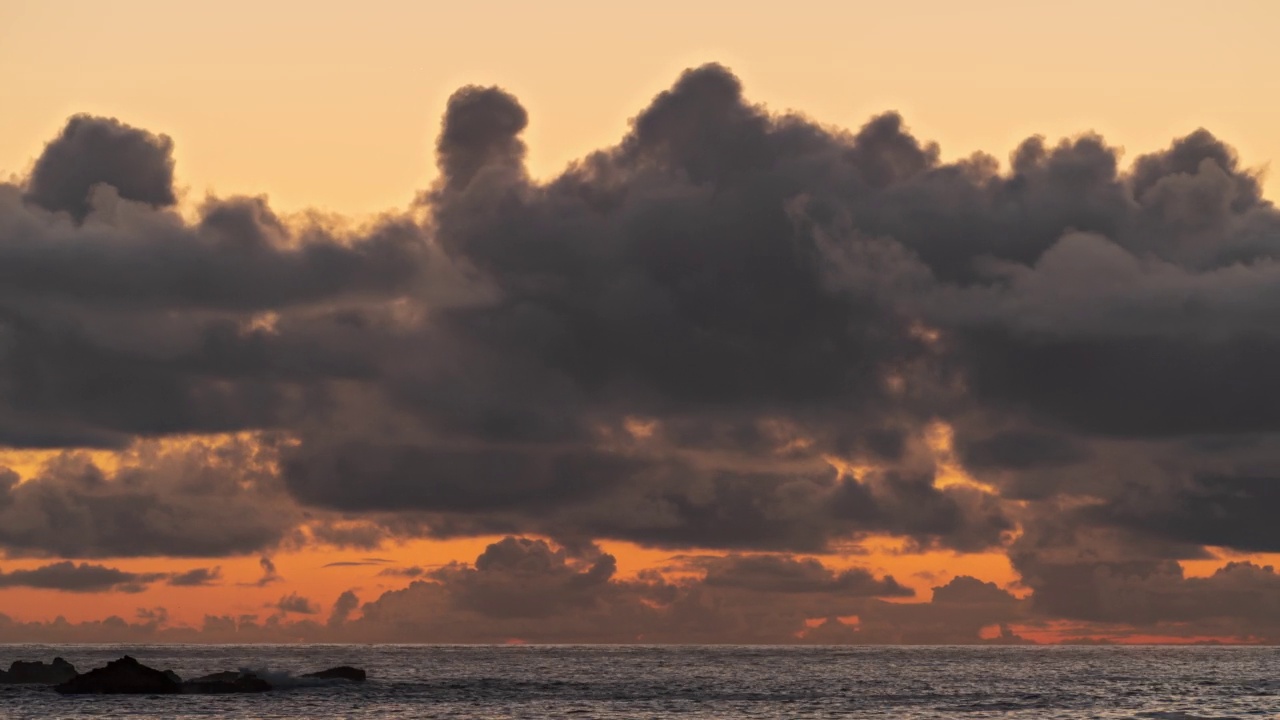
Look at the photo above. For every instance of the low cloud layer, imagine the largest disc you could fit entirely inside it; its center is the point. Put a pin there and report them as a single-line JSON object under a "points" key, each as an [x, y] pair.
{"points": [[529, 590], [735, 334], [91, 578]]}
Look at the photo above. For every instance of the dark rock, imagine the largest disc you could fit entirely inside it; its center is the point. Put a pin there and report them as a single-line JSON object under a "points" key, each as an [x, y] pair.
{"points": [[38, 673], [344, 672], [226, 682], [121, 677], [172, 676]]}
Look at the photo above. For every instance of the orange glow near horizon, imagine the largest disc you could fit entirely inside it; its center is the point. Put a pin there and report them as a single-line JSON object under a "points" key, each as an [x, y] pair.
{"points": [[1063, 631], [321, 574]]}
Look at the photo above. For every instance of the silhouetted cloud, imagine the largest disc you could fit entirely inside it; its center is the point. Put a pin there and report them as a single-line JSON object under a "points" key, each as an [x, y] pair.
{"points": [[772, 573], [409, 572], [346, 604], [269, 574], [93, 150], [197, 577], [358, 563], [734, 330], [296, 604], [204, 499], [529, 589], [80, 578]]}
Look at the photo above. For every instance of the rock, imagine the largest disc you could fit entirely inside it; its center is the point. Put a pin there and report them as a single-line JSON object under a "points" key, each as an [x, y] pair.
{"points": [[343, 672], [226, 682], [38, 673], [172, 676], [120, 677]]}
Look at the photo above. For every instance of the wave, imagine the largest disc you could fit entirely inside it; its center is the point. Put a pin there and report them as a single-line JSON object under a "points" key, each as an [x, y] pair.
{"points": [[285, 679]]}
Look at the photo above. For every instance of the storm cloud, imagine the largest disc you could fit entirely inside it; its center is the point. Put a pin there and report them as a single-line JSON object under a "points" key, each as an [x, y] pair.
{"points": [[735, 330]]}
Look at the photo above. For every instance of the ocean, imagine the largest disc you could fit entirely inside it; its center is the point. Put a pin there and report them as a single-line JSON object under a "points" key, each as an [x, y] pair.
{"points": [[433, 681]]}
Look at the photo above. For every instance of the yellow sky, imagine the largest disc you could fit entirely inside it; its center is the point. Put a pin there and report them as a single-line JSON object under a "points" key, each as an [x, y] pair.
{"points": [[335, 105]]}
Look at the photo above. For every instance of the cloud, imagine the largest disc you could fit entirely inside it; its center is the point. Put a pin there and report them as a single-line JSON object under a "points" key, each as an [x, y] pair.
{"points": [[84, 577], [481, 130], [409, 572], [343, 607], [200, 499], [530, 589], [358, 563], [792, 575], [269, 573], [197, 577], [733, 331], [79, 578], [296, 604], [93, 150]]}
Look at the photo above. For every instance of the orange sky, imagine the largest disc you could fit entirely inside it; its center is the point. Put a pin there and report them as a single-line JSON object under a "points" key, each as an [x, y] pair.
{"points": [[305, 573]]}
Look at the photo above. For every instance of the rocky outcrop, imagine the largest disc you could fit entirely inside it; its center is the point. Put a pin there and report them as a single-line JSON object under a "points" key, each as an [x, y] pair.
{"points": [[342, 672], [38, 673], [226, 682], [125, 676]]}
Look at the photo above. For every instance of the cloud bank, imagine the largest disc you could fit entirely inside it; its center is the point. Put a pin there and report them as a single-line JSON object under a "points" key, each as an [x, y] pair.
{"points": [[736, 331]]}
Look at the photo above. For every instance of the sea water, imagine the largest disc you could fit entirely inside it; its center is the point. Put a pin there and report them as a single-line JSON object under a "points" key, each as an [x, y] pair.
{"points": [[434, 681]]}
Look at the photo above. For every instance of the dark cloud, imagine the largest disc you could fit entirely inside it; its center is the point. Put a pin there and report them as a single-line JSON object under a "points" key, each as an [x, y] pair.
{"points": [[1121, 588], [203, 499], [269, 573], [412, 571], [734, 329], [93, 150], [358, 563], [481, 130], [529, 589], [197, 577], [81, 578], [293, 603], [772, 573], [343, 607], [1022, 450], [1234, 512], [206, 498]]}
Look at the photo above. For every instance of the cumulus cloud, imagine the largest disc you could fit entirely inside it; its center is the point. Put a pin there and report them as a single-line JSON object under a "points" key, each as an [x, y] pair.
{"points": [[346, 604], [733, 330], [196, 500], [772, 573], [95, 150], [531, 590], [293, 603]]}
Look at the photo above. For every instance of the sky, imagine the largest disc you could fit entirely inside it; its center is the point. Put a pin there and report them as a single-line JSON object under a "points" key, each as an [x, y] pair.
{"points": [[695, 322]]}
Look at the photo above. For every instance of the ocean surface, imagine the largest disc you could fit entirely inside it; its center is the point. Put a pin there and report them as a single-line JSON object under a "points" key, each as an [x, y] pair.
{"points": [[425, 681]]}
